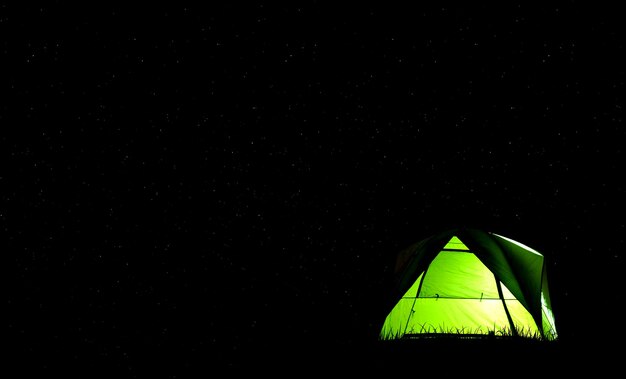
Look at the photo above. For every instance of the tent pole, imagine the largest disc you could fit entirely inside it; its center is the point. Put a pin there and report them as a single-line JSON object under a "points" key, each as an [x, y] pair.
{"points": [[417, 294], [506, 309]]}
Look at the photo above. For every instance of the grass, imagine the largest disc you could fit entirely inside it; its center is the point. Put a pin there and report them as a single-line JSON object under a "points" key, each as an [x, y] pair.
{"points": [[431, 332]]}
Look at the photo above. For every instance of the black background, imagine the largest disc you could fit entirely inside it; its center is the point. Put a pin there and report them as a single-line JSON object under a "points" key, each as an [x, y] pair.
{"points": [[188, 187]]}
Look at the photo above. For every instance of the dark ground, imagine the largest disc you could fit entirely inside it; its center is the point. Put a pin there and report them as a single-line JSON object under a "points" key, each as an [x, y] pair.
{"points": [[195, 188]]}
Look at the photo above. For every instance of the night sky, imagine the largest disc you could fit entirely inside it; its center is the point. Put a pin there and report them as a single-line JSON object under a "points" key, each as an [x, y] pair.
{"points": [[193, 187]]}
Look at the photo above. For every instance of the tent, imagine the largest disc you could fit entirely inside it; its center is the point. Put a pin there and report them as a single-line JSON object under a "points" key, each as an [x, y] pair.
{"points": [[469, 283]]}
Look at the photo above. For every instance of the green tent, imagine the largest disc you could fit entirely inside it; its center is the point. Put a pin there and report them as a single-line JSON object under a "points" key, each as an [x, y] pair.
{"points": [[470, 283]]}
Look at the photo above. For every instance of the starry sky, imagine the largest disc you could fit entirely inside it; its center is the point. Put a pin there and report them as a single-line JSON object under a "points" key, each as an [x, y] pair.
{"points": [[192, 185]]}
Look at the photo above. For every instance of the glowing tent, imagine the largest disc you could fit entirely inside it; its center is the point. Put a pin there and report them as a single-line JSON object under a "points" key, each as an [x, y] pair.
{"points": [[470, 283]]}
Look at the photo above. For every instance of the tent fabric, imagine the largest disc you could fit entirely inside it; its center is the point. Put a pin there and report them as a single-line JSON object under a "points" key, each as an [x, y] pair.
{"points": [[470, 282]]}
